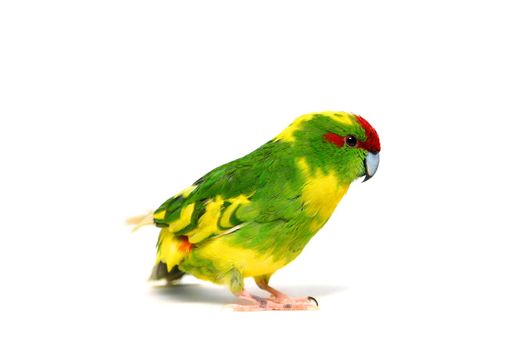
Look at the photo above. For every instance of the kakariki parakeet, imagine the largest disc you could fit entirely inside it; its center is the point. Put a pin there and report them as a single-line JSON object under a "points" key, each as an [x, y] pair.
{"points": [[254, 215]]}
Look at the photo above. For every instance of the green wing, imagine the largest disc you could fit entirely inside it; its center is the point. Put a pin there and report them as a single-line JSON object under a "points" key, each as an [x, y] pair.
{"points": [[211, 205], [256, 188]]}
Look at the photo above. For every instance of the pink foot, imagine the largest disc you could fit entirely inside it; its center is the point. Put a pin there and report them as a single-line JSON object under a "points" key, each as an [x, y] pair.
{"points": [[255, 303]]}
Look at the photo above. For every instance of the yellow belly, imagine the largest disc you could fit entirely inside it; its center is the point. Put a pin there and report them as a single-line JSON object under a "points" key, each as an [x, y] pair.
{"points": [[225, 256]]}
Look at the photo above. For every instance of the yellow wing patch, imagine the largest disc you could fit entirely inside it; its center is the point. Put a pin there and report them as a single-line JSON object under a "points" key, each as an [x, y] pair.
{"points": [[215, 222], [184, 219], [159, 215], [225, 220], [217, 217], [207, 224]]}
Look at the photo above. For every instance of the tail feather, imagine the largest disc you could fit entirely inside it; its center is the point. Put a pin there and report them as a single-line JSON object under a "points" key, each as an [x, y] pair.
{"points": [[160, 271], [140, 221]]}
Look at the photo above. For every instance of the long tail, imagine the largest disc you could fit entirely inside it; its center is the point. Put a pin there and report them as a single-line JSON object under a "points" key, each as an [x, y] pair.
{"points": [[140, 221]]}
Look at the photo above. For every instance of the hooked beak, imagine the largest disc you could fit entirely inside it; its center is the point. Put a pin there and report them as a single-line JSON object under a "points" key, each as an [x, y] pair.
{"points": [[371, 165]]}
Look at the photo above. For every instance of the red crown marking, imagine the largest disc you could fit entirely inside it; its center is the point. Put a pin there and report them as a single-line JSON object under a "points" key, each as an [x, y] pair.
{"points": [[372, 143]]}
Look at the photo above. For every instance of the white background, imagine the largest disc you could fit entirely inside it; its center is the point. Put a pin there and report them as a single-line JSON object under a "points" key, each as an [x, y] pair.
{"points": [[109, 107]]}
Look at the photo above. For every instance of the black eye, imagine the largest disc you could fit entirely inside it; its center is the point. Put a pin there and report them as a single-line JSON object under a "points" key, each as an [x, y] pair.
{"points": [[350, 141]]}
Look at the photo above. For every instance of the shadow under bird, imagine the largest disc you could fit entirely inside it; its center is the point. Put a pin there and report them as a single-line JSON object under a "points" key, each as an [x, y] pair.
{"points": [[254, 215]]}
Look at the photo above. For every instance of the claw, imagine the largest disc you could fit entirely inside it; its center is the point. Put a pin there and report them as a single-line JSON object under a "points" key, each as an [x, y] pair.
{"points": [[314, 300]]}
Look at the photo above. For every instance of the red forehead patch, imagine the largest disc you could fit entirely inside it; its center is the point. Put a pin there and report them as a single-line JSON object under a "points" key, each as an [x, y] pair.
{"points": [[372, 143]]}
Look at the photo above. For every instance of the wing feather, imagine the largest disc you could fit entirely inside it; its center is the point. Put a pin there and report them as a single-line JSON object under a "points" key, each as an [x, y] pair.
{"points": [[210, 208], [233, 195]]}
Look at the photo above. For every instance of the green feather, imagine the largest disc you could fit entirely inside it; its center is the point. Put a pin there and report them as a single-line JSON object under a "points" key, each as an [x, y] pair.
{"points": [[277, 220]]}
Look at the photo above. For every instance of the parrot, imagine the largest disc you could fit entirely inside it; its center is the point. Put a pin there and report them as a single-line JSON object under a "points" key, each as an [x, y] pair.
{"points": [[252, 216]]}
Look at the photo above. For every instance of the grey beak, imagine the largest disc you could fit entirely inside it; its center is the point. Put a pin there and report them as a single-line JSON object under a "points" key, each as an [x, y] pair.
{"points": [[371, 165]]}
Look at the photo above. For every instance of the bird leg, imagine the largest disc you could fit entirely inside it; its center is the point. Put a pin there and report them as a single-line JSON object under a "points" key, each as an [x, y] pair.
{"points": [[303, 303], [276, 295], [277, 301]]}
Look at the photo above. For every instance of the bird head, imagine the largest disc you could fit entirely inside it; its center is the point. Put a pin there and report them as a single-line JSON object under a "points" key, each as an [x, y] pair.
{"points": [[341, 142]]}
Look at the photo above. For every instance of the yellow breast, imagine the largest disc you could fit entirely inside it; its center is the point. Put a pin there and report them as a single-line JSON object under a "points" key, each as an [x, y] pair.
{"points": [[321, 193]]}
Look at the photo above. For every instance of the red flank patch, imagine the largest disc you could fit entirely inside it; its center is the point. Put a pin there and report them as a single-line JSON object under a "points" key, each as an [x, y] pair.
{"points": [[185, 246]]}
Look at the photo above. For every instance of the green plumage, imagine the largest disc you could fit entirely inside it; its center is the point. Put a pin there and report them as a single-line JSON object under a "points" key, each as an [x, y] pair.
{"points": [[253, 215]]}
